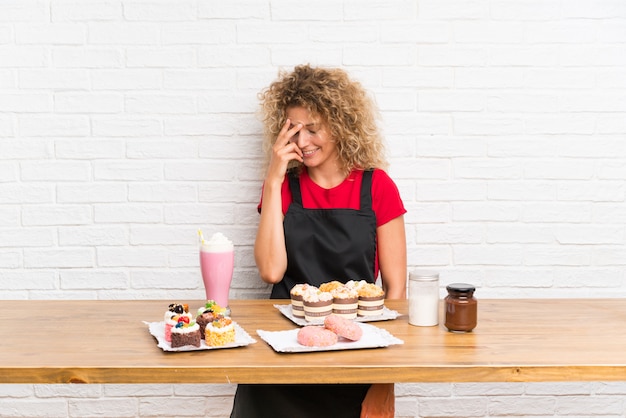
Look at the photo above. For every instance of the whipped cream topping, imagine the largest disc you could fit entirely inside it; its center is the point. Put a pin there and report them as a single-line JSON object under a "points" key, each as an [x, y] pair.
{"points": [[217, 243]]}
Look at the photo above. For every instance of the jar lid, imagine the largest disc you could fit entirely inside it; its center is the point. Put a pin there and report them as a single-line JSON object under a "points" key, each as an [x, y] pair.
{"points": [[424, 275], [461, 287]]}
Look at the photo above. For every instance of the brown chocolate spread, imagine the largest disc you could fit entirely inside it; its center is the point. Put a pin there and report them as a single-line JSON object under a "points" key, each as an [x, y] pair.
{"points": [[461, 307]]}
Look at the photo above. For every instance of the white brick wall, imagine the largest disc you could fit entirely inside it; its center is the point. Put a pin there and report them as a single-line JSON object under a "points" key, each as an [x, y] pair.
{"points": [[126, 125]]}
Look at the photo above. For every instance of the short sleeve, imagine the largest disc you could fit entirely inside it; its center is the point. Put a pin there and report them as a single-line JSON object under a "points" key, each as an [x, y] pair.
{"points": [[386, 200], [285, 196]]}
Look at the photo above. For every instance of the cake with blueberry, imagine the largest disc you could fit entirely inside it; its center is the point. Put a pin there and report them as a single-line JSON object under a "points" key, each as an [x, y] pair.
{"points": [[185, 333], [172, 315]]}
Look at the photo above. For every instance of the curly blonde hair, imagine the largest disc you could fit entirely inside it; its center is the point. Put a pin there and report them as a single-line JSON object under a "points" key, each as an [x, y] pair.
{"points": [[340, 102]]}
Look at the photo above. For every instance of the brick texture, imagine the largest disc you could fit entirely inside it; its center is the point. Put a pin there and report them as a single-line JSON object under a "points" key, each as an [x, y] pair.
{"points": [[127, 125]]}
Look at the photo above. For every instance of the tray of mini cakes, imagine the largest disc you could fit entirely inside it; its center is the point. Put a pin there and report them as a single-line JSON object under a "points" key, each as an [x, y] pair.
{"points": [[210, 329], [333, 316], [357, 300]]}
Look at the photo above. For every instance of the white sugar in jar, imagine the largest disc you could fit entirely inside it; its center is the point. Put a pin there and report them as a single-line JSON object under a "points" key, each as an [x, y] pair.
{"points": [[423, 298]]}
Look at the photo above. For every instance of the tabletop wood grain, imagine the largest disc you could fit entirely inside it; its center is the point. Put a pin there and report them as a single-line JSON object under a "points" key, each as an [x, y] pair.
{"points": [[515, 341]]}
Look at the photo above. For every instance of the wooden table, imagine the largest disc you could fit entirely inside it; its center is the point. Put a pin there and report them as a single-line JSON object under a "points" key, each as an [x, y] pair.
{"points": [[516, 340]]}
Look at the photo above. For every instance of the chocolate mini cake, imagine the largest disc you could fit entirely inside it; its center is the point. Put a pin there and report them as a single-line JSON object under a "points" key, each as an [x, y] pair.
{"points": [[203, 319], [186, 334], [207, 314]]}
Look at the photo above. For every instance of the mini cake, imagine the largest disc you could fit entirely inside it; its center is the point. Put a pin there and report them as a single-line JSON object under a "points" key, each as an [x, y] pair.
{"points": [[356, 285], [371, 300], [330, 286], [207, 314], [220, 332], [185, 333], [173, 313], [297, 292], [345, 302], [317, 305]]}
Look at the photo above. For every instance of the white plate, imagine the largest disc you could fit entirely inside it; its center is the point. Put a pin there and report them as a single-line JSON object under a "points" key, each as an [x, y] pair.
{"points": [[157, 329], [386, 315], [287, 341]]}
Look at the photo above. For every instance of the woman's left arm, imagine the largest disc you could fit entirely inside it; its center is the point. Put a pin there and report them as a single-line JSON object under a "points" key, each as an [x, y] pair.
{"points": [[392, 257], [380, 400]]}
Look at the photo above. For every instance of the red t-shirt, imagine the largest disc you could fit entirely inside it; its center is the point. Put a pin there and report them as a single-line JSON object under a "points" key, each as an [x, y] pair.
{"points": [[386, 201]]}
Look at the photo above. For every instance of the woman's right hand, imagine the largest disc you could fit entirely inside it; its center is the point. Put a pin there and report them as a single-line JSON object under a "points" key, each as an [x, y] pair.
{"points": [[270, 253], [284, 150]]}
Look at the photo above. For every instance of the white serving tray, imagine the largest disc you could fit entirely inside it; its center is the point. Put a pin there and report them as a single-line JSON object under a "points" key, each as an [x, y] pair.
{"points": [[287, 341], [386, 315], [157, 329]]}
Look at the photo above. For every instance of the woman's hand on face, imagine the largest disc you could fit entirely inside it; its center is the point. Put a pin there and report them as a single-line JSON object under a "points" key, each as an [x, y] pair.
{"points": [[284, 150]]}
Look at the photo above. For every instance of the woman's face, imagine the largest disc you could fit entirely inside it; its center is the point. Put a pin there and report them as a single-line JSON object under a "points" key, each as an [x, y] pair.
{"points": [[314, 139]]}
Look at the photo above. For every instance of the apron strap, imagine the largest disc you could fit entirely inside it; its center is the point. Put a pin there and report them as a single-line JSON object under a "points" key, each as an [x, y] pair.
{"points": [[294, 185], [366, 190]]}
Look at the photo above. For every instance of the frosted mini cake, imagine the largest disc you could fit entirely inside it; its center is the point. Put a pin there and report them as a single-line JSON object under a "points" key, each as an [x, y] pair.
{"points": [[172, 315], [207, 314], [220, 332], [185, 333], [297, 293], [345, 302], [317, 305], [371, 299]]}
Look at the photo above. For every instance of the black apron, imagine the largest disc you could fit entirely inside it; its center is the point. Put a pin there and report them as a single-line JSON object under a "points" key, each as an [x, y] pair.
{"points": [[322, 245]]}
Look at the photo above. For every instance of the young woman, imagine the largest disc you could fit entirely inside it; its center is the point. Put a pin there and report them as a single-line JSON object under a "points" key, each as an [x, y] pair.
{"points": [[328, 212]]}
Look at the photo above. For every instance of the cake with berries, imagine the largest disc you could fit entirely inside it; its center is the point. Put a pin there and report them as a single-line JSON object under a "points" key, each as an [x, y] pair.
{"points": [[174, 312], [207, 314], [185, 333]]}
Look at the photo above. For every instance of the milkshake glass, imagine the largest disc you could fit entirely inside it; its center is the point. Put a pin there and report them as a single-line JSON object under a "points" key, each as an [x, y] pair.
{"points": [[217, 259]]}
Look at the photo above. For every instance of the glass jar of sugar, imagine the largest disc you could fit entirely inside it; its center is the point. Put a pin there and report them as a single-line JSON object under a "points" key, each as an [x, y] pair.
{"points": [[423, 298]]}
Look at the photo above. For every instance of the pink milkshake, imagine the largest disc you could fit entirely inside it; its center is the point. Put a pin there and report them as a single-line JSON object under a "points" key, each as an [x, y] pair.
{"points": [[217, 259]]}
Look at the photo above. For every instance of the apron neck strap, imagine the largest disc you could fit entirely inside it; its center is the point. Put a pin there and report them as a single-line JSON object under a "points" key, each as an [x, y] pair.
{"points": [[366, 190], [294, 185]]}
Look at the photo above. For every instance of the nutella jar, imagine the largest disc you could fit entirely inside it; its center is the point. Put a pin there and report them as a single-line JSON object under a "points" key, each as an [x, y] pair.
{"points": [[461, 307]]}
